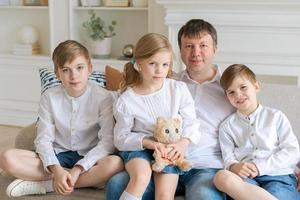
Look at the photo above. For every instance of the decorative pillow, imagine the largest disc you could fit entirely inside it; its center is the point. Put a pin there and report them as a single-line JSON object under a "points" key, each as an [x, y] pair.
{"points": [[48, 79], [113, 78]]}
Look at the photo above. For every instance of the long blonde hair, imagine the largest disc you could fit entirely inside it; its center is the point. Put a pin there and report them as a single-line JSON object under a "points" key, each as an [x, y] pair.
{"points": [[146, 47]]}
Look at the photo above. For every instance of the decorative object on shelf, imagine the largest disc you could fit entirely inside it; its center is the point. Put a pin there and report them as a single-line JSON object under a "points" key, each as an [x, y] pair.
{"points": [[28, 34], [44, 2], [100, 35], [128, 51], [139, 3], [32, 2], [28, 37], [121, 3], [87, 3]]}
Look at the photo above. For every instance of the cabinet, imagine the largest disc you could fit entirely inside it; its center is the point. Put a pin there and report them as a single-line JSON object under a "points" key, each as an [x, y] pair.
{"points": [[59, 21]]}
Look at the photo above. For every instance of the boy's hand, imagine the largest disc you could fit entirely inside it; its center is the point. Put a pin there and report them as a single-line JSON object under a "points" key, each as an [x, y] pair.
{"points": [[75, 173], [244, 170], [62, 180], [178, 149]]}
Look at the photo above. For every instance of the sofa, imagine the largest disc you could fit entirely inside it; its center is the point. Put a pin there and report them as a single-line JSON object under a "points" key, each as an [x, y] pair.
{"points": [[283, 97]]}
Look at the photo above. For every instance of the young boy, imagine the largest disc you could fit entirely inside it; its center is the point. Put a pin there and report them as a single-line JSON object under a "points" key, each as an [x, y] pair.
{"points": [[75, 131], [258, 145]]}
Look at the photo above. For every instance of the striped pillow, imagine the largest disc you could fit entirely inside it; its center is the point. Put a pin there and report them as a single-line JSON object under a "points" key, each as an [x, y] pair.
{"points": [[48, 79]]}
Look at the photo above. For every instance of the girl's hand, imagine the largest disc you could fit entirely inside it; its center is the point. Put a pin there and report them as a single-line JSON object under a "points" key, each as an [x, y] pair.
{"points": [[62, 180], [178, 149], [164, 151], [244, 170]]}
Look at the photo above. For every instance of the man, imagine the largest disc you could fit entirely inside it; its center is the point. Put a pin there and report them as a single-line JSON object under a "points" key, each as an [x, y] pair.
{"points": [[197, 41]]}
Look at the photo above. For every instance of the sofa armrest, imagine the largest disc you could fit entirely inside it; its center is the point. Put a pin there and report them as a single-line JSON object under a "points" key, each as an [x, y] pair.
{"points": [[25, 138]]}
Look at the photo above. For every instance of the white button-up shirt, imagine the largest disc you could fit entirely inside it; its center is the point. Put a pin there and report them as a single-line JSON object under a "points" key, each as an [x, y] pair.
{"points": [[212, 107], [83, 124], [265, 138], [136, 115]]}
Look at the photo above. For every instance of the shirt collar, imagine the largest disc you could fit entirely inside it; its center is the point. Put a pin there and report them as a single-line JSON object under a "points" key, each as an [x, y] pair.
{"points": [[185, 76], [252, 116]]}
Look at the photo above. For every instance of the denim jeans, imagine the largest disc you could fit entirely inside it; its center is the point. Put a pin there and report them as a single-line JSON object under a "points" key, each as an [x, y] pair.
{"points": [[281, 187], [194, 184]]}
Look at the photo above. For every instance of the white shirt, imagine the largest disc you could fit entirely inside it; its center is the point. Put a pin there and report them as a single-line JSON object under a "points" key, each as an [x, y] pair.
{"points": [[136, 114], [265, 138], [212, 107], [83, 124]]}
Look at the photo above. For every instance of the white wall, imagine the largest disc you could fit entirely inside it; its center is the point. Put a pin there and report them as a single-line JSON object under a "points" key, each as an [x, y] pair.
{"points": [[263, 34]]}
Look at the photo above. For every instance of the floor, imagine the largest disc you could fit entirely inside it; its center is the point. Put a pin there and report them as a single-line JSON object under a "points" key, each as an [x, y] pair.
{"points": [[7, 135]]}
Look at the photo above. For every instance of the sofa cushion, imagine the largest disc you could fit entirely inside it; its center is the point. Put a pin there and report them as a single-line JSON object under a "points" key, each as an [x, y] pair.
{"points": [[113, 78], [48, 78]]}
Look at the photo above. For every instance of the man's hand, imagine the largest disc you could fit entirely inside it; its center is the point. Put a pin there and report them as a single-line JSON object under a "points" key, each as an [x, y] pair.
{"points": [[244, 170], [298, 176], [62, 180]]}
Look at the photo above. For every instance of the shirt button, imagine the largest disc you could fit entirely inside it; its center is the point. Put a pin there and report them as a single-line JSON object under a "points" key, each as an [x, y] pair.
{"points": [[252, 124], [252, 134]]}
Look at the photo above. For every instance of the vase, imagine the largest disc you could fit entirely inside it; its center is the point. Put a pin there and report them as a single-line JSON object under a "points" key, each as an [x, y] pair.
{"points": [[101, 48]]}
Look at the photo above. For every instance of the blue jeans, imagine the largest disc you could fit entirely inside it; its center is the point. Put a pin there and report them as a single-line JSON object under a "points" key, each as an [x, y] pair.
{"points": [[68, 159], [281, 187], [194, 184]]}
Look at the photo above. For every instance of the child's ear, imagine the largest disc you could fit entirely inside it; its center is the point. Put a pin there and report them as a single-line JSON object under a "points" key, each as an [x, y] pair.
{"points": [[57, 74], [90, 68], [257, 86]]}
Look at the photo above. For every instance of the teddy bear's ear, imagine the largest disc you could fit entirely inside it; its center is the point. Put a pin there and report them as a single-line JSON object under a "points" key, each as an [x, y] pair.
{"points": [[160, 120], [176, 121]]}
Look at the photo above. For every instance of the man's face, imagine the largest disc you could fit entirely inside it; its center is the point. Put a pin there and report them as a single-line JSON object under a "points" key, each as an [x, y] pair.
{"points": [[197, 53]]}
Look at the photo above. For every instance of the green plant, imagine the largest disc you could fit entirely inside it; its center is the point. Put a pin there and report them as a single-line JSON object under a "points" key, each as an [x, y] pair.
{"points": [[97, 29]]}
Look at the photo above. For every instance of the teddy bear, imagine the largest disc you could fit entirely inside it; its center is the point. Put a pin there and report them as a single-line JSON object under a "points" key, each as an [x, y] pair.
{"points": [[166, 131]]}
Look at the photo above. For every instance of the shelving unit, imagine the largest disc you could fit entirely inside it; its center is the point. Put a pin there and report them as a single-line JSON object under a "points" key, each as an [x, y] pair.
{"points": [[14, 17], [132, 23]]}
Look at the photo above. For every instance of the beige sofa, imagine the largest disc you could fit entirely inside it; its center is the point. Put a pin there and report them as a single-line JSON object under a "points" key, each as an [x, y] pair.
{"points": [[283, 97]]}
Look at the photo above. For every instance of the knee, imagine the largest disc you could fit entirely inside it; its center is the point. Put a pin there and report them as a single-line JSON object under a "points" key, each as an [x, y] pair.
{"points": [[222, 180], [115, 163], [7, 160]]}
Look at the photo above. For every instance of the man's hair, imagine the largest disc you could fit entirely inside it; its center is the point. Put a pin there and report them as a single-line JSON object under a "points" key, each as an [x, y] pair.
{"points": [[67, 51], [194, 28], [236, 70]]}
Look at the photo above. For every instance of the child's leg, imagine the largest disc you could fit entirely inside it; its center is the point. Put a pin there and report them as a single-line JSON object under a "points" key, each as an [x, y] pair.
{"points": [[165, 185], [235, 187], [282, 187], [99, 174], [23, 164], [139, 171], [27, 166]]}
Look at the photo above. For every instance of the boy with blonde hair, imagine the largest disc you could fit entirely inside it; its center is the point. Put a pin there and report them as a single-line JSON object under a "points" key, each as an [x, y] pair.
{"points": [[74, 139]]}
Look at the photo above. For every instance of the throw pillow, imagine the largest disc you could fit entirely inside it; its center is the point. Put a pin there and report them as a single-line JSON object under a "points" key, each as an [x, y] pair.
{"points": [[113, 78], [48, 79]]}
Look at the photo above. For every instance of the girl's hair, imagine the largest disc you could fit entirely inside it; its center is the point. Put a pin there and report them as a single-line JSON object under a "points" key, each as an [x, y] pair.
{"points": [[236, 70], [146, 47], [67, 51]]}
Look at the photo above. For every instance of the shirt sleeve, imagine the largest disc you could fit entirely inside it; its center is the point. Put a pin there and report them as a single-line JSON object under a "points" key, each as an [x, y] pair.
{"points": [[191, 125], [288, 149], [125, 139], [45, 133], [105, 134], [227, 146]]}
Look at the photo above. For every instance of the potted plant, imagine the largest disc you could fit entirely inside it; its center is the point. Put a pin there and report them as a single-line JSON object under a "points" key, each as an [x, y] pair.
{"points": [[100, 34]]}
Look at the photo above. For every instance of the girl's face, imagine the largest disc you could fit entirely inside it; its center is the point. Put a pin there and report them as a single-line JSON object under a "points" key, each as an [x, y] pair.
{"points": [[155, 69], [242, 95], [74, 75]]}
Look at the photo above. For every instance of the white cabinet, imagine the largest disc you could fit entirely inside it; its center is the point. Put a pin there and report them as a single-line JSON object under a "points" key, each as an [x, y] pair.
{"points": [[59, 21]]}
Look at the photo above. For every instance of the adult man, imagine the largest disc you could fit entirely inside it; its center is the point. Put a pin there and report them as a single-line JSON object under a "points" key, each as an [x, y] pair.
{"points": [[197, 40]]}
